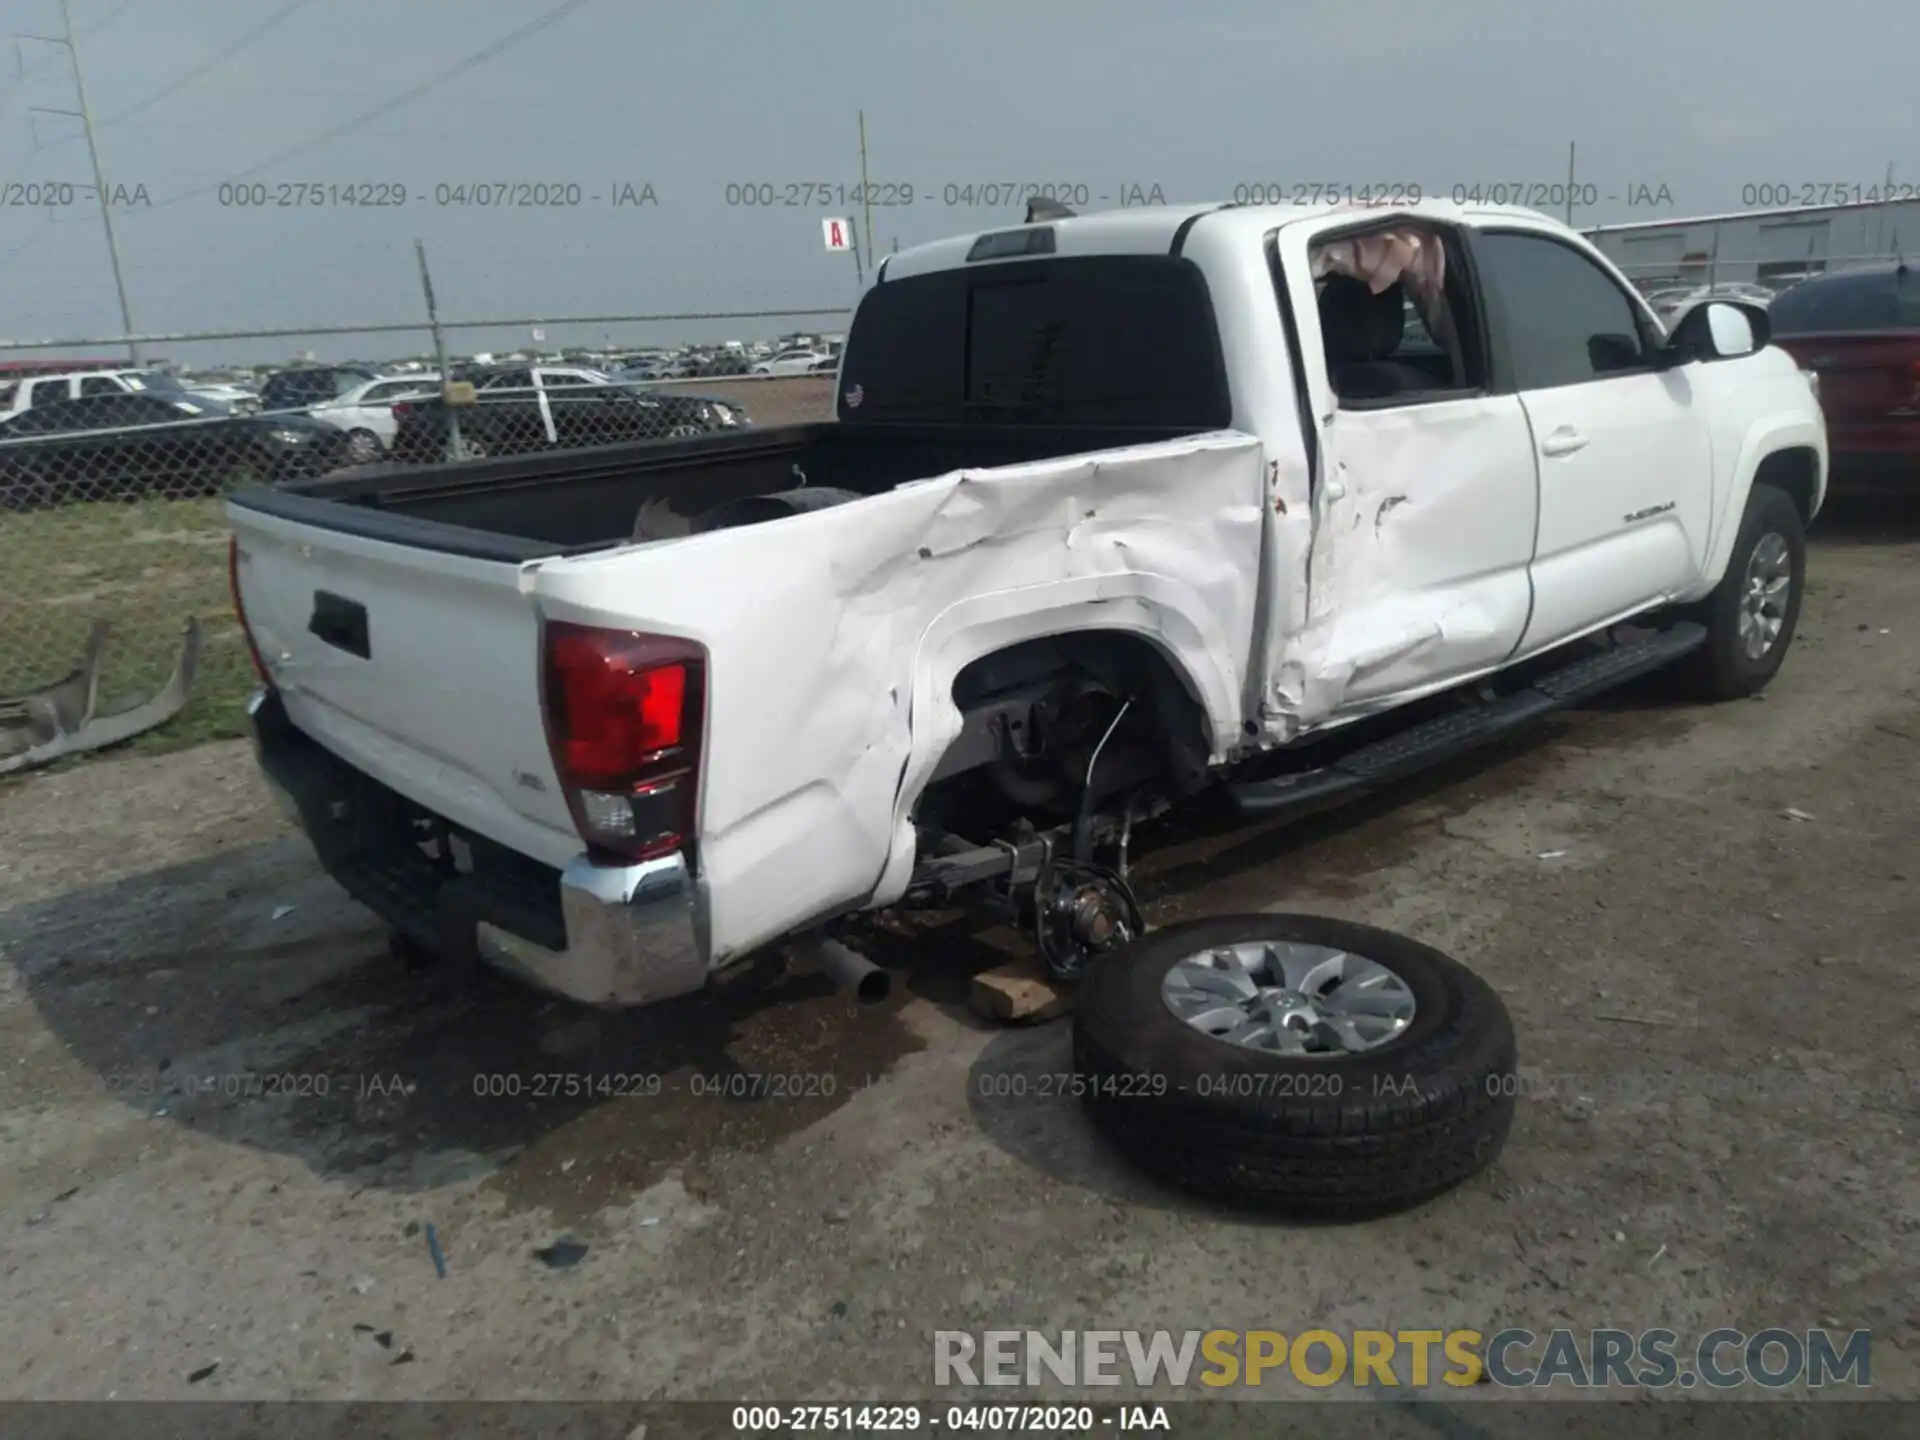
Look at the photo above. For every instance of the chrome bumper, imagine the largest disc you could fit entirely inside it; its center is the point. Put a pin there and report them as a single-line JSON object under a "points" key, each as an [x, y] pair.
{"points": [[632, 931], [631, 936]]}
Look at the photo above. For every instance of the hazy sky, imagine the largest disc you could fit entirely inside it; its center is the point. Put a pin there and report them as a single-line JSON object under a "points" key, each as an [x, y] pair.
{"points": [[689, 96]]}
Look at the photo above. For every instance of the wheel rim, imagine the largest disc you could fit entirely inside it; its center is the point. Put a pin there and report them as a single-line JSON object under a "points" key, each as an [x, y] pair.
{"points": [[1764, 595], [1283, 997], [361, 446]]}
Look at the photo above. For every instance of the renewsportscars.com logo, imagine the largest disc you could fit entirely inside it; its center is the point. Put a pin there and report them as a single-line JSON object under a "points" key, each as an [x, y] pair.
{"points": [[1515, 1358]]}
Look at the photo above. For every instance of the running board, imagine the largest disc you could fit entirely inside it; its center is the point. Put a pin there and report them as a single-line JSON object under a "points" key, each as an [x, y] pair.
{"points": [[1446, 736]]}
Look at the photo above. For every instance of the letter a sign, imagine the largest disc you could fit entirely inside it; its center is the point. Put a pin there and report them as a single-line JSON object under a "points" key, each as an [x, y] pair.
{"points": [[839, 234]]}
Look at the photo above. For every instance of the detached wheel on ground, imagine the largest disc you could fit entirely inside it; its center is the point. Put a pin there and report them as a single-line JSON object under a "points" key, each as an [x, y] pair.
{"points": [[1307, 1067], [1751, 615]]}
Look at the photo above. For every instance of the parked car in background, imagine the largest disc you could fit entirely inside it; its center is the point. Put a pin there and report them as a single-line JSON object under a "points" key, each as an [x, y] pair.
{"points": [[312, 385], [791, 362], [127, 446], [720, 363], [43, 389], [1670, 305], [237, 398], [1858, 333], [365, 413], [825, 365], [641, 372], [527, 408]]}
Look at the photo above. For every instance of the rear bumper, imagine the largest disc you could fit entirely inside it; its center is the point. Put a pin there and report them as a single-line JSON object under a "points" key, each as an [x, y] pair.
{"points": [[603, 935]]}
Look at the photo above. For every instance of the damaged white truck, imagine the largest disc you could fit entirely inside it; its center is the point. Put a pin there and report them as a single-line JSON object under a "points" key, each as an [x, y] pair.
{"points": [[1119, 511]]}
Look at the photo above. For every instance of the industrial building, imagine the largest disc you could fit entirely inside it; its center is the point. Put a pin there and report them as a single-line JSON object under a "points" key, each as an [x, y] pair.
{"points": [[1773, 248]]}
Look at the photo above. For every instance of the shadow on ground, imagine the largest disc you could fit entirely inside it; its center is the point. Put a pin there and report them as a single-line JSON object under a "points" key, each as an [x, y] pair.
{"points": [[245, 998]]}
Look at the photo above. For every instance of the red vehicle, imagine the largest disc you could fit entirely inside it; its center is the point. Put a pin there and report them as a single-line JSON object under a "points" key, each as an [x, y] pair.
{"points": [[1859, 331]]}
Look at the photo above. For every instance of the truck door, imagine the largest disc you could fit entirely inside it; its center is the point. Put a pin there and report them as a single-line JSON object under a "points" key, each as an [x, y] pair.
{"points": [[1625, 454], [1426, 491]]}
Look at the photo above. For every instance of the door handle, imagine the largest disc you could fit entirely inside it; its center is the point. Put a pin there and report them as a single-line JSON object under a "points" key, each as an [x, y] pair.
{"points": [[1563, 441], [341, 623]]}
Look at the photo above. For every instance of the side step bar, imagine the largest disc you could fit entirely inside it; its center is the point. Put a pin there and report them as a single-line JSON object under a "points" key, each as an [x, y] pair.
{"points": [[1446, 736]]}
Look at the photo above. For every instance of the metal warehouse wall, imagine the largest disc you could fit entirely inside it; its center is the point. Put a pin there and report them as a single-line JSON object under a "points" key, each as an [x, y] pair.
{"points": [[1768, 247]]}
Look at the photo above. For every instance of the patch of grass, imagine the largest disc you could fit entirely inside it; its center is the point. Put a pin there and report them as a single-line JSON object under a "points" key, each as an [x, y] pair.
{"points": [[144, 567]]}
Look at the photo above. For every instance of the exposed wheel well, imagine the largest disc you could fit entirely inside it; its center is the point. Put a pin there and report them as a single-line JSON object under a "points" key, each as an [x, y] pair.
{"points": [[1796, 472], [1037, 714]]}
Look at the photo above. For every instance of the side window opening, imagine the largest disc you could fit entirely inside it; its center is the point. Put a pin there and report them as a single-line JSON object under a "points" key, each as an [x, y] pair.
{"points": [[1397, 318], [1567, 321]]}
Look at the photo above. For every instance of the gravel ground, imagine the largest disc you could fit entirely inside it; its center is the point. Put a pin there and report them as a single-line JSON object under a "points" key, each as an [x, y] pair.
{"points": [[1714, 1001]]}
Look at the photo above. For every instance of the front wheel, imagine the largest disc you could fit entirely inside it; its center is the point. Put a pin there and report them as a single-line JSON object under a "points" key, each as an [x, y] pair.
{"points": [[1751, 614], [1309, 1067]]}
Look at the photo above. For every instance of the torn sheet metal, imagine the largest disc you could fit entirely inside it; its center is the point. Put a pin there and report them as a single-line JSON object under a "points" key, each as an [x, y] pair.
{"points": [[1422, 543], [1423, 524], [64, 718], [833, 655]]}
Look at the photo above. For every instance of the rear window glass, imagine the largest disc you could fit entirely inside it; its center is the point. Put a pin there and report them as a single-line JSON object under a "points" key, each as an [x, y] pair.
{"points": [[1101, 340], [1844, 302]]}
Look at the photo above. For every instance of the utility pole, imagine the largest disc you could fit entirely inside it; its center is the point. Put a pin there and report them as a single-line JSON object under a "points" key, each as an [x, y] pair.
{"points": [[85, 116], [1570, 150], [456, 447], [866, 190]]}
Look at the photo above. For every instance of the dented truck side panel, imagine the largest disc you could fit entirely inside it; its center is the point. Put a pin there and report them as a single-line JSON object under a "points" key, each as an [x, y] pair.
{"points": [[831, 673], [1424, 525]]}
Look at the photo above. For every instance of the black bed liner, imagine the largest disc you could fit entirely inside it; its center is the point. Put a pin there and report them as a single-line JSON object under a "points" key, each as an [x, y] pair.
{"points": [[565, 502]]}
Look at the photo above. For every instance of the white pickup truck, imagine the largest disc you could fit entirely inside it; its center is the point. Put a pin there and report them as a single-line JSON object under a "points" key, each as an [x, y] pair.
{"points": [[1277, 503]]}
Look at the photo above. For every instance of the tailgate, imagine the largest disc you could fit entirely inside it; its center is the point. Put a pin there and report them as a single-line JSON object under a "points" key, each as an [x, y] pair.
{"points": [[418, 667]]}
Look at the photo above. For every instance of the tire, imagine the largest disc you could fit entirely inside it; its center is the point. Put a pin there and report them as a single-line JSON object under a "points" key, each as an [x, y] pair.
{"points": [[363, 447], [1725, 668], [1339, 1136]]}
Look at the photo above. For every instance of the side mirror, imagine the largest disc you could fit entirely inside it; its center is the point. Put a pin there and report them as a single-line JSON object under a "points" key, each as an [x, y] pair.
{"points": [[1719, 330]]}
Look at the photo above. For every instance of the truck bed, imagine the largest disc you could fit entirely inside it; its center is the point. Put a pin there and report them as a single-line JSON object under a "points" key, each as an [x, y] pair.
{"points": [[563, 502]]}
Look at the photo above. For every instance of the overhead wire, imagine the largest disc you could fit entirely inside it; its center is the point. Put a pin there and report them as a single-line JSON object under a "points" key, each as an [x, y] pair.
{"points": [[212, 62], [387, 107]]}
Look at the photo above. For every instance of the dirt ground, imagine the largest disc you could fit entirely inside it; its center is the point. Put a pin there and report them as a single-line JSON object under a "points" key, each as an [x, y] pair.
{"points": [[227, 1116]]}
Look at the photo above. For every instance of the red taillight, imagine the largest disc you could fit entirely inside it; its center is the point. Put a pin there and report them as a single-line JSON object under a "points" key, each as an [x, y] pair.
{"points": [[623, 720], [402, 410], [240, 609]]}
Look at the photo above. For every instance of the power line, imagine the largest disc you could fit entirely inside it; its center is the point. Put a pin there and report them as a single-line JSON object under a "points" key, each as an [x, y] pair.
{"points": [[84, 114], [212, 62], [387, 107], [106, 24]]}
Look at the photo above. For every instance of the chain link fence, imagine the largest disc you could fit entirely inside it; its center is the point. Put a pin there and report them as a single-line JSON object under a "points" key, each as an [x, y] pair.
{"points": [[112, 482]]}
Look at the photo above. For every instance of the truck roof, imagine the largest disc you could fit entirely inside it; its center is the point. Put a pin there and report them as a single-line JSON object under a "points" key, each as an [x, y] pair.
{"points": [[1150, 230]]}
